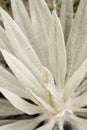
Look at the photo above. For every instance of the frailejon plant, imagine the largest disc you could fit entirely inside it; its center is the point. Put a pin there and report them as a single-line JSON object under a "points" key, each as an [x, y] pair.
{"points": [[46, 86]]}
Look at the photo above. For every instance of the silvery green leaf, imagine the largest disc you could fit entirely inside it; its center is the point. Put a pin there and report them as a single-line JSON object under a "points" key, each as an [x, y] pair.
{"points": [[80, 101], [6, 112], [48, 81], [57, 52], [50, 88], [40, 18], [4, 44], [7, 109], [22, 18], [78, 123], [24, 125], [66, 16], [24, 75], [8, 81], [77, 38], [2, 122], [3, 40], [41, 102], [75, 80], [60, 124], [19, 44], [80, 112], [9, 115], [19, 103], [82, 87]]}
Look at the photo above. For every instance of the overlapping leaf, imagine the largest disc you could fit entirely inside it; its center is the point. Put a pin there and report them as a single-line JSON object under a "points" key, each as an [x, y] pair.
{"points": [[19, 44], [77, 39], [66, 16], [22, 18], [40, 18], [57, 52], [19, 103], [8, 81], [23, 74]]}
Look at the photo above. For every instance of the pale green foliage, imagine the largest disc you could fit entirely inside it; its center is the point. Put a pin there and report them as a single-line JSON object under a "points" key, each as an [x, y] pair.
{"points": [[48, 64]]}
